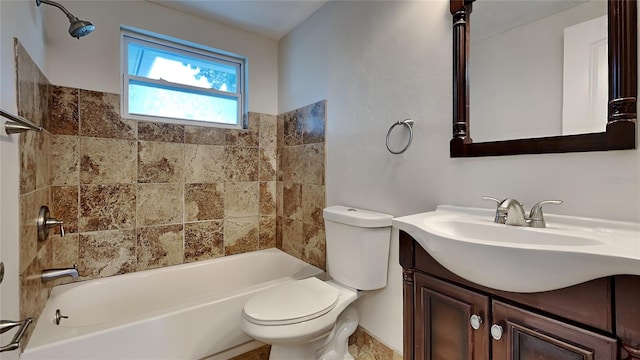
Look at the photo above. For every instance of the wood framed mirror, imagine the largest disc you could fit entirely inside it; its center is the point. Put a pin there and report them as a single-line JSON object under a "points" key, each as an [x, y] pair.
{"points": [[620, 121]]}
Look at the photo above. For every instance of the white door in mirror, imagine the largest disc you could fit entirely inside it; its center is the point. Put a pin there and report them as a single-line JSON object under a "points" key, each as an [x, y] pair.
{"points": [[585, 77]]}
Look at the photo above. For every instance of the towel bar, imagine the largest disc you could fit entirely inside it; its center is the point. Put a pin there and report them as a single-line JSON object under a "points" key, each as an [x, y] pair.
{"points": [[18, 124]]}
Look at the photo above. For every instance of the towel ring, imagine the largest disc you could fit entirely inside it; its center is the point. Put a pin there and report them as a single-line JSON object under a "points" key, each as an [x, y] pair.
{"points": [[408, 123]]}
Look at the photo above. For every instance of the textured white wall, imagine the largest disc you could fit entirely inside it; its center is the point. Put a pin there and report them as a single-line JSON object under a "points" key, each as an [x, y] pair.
{"points": [[17, 19], [377, 62], [93, 62]]}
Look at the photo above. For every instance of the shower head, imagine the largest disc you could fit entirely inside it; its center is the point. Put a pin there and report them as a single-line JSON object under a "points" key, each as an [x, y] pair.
{"points": [[78, 27]]}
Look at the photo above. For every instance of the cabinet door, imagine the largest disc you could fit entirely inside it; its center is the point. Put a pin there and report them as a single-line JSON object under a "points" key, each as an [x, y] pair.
{"points": [[443, 329], [628, 315], [521, 335]]}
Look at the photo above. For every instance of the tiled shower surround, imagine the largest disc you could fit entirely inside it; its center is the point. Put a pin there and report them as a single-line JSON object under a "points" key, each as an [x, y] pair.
{"points": [[35, 183], [301, 183], [141, 195], [138, 195]]}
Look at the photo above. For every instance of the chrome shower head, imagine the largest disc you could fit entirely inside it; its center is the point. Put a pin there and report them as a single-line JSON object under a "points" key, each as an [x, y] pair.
{"points": [[80, 28], [77, 27]]}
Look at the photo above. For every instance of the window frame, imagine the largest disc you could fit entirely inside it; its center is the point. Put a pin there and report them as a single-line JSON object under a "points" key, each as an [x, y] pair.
{"points": [[181, 48]]}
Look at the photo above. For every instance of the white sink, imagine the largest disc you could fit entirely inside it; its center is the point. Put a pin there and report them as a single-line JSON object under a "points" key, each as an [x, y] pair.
{"points": [[571, 250]]}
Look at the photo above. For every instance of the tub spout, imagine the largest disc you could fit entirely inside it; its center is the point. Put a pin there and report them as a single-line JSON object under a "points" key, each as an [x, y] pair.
{"points": [[52, 274]]}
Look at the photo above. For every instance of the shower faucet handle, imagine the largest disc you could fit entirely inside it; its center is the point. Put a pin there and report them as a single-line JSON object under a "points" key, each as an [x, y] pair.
{"points": [[45, 222], [53, 222]]}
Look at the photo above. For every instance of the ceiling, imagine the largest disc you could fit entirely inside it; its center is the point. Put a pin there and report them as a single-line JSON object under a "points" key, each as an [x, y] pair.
{"points": [[269, 18]]}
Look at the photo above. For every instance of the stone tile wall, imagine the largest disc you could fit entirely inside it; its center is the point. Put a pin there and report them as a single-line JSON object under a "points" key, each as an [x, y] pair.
{"points": [[134, 195], [301, 187], [364, 346], [35, 184], [142, 195]]}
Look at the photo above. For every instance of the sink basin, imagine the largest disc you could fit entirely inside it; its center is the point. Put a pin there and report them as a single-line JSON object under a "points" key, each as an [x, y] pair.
{"points": [[571, 250]]}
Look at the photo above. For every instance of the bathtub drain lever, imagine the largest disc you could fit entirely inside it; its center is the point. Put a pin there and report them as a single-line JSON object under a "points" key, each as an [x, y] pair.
{"points": [[58, 317]]}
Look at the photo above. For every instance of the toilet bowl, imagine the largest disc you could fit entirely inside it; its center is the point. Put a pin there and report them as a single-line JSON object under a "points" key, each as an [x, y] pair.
{"points": [[311, 318]]}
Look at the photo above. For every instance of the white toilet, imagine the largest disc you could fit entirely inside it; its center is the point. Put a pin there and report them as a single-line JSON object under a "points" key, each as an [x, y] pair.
{"points": [[310, 318]]}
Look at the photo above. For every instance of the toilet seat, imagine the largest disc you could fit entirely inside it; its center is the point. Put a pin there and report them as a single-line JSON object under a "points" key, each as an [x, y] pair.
{"points": [[291, 303]]}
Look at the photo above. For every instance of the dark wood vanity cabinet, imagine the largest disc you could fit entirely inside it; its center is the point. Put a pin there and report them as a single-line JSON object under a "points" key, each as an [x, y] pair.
{"points": [[442, 313], [529, 336], [596, 320]]}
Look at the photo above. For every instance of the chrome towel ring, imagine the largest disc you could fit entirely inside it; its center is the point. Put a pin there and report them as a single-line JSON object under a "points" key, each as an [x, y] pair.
{"points": [[408, 123]]}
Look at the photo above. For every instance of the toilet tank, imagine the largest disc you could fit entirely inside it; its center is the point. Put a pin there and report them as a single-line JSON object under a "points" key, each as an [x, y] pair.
{"points": [[357, 246]]}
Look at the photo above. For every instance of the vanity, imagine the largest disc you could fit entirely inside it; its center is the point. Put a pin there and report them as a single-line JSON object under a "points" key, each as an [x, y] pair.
{"points": [[478, 288], [519, 305]]}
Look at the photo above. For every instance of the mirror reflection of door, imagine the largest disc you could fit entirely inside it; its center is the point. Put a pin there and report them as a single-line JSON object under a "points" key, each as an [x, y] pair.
{"points": [[585, 86], [517, 69]]}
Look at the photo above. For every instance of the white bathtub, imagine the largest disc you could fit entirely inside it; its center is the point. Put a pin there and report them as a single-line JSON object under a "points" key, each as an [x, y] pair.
{"points": [[189, 311]]}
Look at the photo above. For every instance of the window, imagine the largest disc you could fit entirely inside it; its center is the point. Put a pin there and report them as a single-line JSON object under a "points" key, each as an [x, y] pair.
{"points": [[166, 80]]}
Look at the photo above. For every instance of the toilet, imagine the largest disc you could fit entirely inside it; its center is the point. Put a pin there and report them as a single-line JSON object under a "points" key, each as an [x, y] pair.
{"points": [[311, 318]]}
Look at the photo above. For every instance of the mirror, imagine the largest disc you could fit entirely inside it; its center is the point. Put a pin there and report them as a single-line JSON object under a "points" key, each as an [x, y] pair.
{"points": [[514, 110], [563, 47]]}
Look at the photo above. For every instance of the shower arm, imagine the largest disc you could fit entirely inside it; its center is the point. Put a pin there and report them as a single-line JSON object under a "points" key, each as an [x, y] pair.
{"points": [[64, 10]]}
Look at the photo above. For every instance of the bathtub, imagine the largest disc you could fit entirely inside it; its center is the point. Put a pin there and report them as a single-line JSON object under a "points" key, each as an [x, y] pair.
{"points": [[189, 311]]}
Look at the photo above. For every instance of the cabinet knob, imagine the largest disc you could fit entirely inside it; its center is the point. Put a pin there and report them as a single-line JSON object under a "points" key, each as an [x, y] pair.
{"points": [[476, 321], [496, 332]]}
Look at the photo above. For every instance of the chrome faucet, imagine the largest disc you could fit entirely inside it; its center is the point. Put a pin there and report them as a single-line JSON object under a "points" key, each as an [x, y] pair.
{"points": [[52, 274], [511, 212]]}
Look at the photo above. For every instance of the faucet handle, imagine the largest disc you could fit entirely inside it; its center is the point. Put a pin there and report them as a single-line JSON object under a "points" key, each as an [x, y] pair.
{"points": [[45, 222], [536, 217], [499, 217], [498, 201], [52, 222]]}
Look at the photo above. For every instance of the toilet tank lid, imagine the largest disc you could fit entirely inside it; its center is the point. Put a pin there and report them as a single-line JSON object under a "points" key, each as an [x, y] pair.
{"points": [[356, 217]]}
